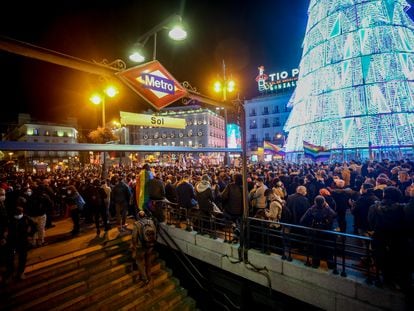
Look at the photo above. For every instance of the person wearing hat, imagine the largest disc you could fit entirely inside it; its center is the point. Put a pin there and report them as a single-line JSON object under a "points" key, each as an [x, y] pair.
{"points": [[205, 199]]}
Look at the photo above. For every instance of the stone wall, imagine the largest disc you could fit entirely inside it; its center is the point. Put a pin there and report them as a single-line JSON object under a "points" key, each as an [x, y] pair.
{"points": [[317, 287]]}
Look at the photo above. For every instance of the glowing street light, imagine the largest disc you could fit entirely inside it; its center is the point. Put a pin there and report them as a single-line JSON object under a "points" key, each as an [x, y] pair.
{"points": [[177, 33], [99, 98], [224, 85]]}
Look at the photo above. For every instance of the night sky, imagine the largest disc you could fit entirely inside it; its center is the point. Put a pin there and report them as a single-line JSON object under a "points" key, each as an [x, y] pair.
{"points": [[245, 34]]}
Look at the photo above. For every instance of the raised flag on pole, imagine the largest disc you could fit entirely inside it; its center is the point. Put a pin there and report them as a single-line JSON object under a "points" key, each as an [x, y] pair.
{"points": [[269, 147], [316, 153]]}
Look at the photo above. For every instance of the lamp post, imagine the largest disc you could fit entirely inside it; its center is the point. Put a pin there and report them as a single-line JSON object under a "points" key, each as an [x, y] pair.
{"points": [[99, 98], [224, 85], [177, 33], [279, 136]]}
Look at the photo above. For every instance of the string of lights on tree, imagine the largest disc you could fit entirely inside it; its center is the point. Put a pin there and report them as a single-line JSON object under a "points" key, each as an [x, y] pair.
{"points": [[356, 81]]}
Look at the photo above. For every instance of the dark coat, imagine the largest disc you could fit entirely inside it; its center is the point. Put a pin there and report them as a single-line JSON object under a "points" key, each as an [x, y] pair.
{"points": [[316, 215], [361, 209], [296, 205], [19, 232], [121, 193], [156, 189], [185, 192], [204, 197], [232, 198], [170, 192]]}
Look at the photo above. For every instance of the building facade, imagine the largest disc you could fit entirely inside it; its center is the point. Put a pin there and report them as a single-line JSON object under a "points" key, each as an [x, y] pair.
{"points": [[32, 131], [265, 119], [204, 128]]}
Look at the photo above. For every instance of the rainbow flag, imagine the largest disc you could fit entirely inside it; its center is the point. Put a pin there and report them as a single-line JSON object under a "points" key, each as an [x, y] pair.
{"points": [[269, 147], [316, 153], [141, 189]]}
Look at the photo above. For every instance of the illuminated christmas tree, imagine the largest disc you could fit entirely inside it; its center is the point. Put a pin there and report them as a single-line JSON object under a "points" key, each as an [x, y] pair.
{"points": [[356, 81]]}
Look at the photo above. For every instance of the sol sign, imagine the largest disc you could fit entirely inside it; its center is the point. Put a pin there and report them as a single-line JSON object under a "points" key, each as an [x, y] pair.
{"points": [[153, 83], [151, 120]]}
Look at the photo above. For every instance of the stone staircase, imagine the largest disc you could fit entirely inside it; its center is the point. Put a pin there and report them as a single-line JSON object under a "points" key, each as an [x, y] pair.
{"points": [[98, 277]]}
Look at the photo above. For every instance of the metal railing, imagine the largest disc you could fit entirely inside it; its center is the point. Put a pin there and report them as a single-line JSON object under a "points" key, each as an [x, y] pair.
{"points": [[339, 252]]}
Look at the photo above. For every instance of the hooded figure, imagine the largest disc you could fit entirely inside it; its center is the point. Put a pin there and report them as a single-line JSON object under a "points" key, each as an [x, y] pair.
{"points": [[204, 196]]}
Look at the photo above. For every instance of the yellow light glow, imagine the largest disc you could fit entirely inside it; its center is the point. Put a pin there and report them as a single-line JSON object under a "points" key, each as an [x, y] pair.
{"points": [[217, 86], [111, 91], [96, 99], [230, 86]]}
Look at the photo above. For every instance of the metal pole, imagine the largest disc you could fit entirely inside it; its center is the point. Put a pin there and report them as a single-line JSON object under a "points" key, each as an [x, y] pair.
{"points": [[154, 53], [103, 111], [227, 155], [103, 126], [245, 190]]}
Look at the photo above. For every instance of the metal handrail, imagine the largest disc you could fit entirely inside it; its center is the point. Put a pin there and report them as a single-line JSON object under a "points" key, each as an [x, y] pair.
{"points": [[188, 264]]}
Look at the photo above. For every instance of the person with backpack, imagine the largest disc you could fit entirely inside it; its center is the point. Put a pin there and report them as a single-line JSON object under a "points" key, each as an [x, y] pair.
{"points": [[320, 216], [144, 237]]}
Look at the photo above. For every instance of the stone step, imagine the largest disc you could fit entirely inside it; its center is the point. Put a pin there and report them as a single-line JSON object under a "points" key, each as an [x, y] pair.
{"points": [[153, 294], [66, 278], [48, 269], [131, 292], [54, 298], [187, 304], [101, 295], [166, 302]]}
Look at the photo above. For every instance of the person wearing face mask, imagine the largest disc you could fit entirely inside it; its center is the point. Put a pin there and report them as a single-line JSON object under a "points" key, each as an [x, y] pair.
{"points": [[21, 229], [257, 196], [36, 208]]}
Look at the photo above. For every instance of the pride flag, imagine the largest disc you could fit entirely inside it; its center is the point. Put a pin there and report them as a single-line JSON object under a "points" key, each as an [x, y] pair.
{"points": [[141, 189], [269, 147], [316, 153]]}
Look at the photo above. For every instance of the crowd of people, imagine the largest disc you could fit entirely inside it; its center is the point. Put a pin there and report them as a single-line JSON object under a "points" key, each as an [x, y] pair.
{"points": [[378, 194]]}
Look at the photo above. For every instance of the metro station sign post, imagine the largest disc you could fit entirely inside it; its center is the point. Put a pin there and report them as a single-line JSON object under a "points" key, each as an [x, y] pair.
{"points": [[153, 83]]}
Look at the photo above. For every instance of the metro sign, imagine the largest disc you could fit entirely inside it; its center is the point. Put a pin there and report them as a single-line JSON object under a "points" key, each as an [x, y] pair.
{"points": [[153, 83]]}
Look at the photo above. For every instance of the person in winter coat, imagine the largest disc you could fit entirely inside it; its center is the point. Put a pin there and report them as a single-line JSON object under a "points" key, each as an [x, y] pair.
{"points": [[185, 193], [121, 196], [21, 230], [390, 242], [296, 205], [232, 200], [257, 196], [274, 210], [320, 216], [204, 196], [360, 208], [75, 204], [95, 197]]}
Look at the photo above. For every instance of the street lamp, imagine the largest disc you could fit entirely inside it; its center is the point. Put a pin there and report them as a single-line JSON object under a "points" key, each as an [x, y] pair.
{"points": [[224, 85], [99, 98], [177, 33], [279, 136]]}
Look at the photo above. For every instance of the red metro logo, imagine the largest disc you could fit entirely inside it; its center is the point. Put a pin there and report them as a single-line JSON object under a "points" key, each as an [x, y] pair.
{"points": [[153, 83]]}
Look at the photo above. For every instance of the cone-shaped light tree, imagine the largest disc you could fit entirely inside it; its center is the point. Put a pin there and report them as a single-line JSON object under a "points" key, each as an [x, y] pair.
{"points": [[356, 82]]}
